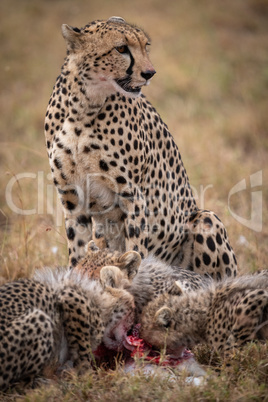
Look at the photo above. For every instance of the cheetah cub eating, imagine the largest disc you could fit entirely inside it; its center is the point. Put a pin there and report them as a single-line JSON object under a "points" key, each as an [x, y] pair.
{"points": [[58, 315], [116, 167], [225, 315], [145, 279]]}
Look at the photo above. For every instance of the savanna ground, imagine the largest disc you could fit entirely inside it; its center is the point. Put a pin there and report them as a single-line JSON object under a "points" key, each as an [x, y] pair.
{"points": [[211, 88]]}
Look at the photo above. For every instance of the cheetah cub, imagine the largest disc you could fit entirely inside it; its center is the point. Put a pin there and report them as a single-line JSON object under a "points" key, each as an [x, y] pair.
{"points": [[58, 315], [154, 278], [145, 279], [96, 258], [225, 315]]}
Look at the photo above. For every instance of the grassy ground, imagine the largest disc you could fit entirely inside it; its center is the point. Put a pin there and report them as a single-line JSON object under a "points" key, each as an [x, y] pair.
{"points": [[211, 88]]}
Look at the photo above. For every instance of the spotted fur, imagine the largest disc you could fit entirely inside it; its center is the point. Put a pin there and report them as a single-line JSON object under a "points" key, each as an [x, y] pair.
{"points": [[225, 315], [116, 167], [155, 277], [145, 279], [58, 315], [96, 258]]}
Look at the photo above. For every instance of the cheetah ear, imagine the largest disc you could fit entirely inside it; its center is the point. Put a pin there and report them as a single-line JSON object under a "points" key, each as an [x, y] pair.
{"points": [[91, 246], [111, 276], [175, 289], [116, 19], [72, 37], [163, 317], [101, 243], [130, 262]]}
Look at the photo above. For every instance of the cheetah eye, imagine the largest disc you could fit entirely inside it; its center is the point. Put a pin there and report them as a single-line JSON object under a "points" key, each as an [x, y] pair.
{"points": [[147, 47], [122, 49]]}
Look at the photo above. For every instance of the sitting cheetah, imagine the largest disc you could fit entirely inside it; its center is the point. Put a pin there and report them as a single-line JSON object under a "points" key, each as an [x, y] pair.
{"points": [[58, 315], [116, 167], [145, 279], [224, 314]]}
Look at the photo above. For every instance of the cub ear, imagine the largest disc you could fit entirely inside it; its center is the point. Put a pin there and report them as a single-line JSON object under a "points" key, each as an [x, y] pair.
{"points": [[163, 317], [116, 19], [130, 261], [111, 276], [72, 37], [91, 246], [175, 289]]}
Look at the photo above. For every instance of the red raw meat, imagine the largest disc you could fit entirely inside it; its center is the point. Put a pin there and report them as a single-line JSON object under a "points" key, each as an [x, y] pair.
{"points": [[134, 346], [144, 350]]}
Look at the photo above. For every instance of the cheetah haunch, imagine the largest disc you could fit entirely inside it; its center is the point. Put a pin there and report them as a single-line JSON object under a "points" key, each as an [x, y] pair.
{"points": [[225, 315], [57, 316], [116, 167]]}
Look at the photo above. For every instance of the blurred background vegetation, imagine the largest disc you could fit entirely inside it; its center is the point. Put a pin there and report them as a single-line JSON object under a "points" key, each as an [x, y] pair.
{"points": [[211, 88]]}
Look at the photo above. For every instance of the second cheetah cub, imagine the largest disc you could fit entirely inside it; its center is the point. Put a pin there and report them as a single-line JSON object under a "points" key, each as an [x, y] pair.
{"points": [[225, 315]]}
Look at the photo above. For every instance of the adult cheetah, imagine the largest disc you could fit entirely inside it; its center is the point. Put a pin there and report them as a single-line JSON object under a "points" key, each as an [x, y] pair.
{"points": [[116, 167]]}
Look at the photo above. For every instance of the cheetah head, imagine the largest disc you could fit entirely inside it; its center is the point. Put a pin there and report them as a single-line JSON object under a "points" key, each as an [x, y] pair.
{"points": [[109, 57], [119, 309], [97, 258], [161, 326]]}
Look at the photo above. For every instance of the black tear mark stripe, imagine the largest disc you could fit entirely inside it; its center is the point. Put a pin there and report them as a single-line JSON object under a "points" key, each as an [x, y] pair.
{"points": [[132, 62]]}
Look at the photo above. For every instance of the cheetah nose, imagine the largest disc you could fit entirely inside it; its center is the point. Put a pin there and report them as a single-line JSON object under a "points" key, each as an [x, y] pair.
{"points": [[148, 74]]}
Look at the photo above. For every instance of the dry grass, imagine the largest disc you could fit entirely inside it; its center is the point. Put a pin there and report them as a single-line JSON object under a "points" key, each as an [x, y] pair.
{"points": [[211, 89], [242, 377]]}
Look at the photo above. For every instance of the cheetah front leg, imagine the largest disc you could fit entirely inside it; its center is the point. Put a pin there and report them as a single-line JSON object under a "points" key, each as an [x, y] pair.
{"points": [[104, 228], [206, 249], [136, 224], [109, 230], [79, 233], [26, 346], [78, 220], [122, 226]]}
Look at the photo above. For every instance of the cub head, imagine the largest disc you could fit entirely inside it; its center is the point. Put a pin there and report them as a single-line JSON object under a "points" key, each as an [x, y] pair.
{"points": [[121, 274], [111, 56], [161, 326], [119, 308], [97, 258]]}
